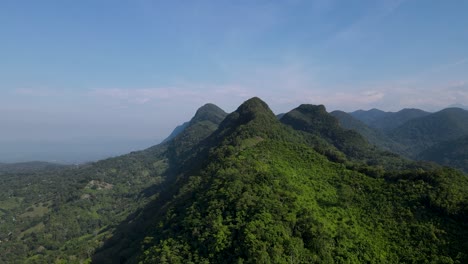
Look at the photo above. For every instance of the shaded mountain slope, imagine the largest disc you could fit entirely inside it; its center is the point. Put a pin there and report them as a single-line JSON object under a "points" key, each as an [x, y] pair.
{"points": [[325, 134], [453, 153], [315, 120], [372, 135]]}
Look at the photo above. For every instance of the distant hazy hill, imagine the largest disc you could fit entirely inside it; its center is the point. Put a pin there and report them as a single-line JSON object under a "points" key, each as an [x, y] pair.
{"points": [[369, 116], [459, 106], [453, 153], [394, 120], [422, 133], [387, 121], [415, 133]]}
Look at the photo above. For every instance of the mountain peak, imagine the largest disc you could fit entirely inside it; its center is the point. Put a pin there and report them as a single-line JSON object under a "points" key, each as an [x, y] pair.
{"points": [[252, 111], [308, 108], [209, 112], [311, 118], [254, 108]]}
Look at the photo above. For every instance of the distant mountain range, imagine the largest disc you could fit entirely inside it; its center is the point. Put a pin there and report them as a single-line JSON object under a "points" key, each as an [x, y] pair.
{"points": [[414, 133]]}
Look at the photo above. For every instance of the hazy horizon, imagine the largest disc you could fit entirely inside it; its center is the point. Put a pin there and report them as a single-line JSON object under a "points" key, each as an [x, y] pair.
{"points": [[119, 75], [82, 150]]}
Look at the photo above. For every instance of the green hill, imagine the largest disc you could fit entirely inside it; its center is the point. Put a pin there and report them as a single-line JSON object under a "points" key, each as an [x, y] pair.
{"points": [[315, 120]]}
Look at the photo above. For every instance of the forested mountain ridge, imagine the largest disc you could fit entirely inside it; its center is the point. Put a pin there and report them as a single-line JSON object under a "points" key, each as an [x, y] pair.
{"points": [[264, 194], [244, 188]]}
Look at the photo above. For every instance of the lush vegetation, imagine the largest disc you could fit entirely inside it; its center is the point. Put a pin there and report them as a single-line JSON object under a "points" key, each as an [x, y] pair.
{"points": [[241, 188]]}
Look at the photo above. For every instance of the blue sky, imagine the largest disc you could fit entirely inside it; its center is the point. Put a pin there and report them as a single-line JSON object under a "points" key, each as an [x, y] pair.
{"points": [[90, 69]]}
